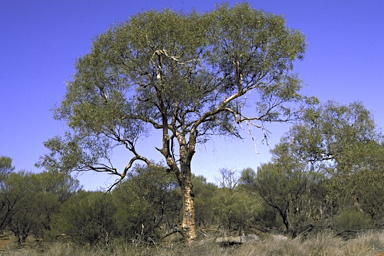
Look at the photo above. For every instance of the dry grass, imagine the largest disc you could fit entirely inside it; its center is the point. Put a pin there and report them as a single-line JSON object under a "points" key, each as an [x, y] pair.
{"points": [[323, 244]]}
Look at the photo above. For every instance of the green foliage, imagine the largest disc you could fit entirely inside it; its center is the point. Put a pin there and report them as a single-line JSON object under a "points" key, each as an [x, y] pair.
{"points": [[341, 146], [332, 132], [35, 198], [148, 204], [236, 210], [205, 197], [186, 74], [88, 218], [267, 216], [5, 167], [353, 219], [20, 190], [6, 204], [247, 178], [61, 185], [289, 187]]}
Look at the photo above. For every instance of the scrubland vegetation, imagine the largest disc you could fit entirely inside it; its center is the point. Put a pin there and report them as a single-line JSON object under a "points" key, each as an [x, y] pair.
{"points": [[321, 190], [323, 243], [188, 76]]}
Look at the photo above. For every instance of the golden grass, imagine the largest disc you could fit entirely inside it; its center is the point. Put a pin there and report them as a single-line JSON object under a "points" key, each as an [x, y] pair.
{"points": [[322, 244]]}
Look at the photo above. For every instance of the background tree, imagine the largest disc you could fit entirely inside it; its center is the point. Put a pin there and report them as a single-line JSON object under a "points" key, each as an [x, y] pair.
{"points": [[341, 143], [227, 178], [61, 185], [6, 204], [51, 189], [337, 140], [35, 198], [267, 216], [288, 185], [26, 211], [364, 181], [6, 167], [185, 75], [288, 192]]}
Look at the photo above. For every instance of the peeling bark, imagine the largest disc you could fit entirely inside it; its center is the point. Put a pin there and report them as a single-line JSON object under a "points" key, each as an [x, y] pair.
{"points": [[188, 223]]}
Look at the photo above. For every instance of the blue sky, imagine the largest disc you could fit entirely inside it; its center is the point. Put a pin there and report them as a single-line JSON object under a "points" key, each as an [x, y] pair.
{"points": [[41, 40]]}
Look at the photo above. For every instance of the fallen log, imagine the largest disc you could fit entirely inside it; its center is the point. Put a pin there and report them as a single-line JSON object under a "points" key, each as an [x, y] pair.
{"points": [[236, 240]]}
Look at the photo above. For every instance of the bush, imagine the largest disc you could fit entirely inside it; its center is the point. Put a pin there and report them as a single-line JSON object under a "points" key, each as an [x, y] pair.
{"points": [[148, 205], [87, 218], [353, 219], [236, 210]]}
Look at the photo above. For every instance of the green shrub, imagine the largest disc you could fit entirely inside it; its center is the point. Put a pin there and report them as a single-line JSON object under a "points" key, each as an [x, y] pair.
{"points": [[87, 218], [352, 219], [148, 205]]}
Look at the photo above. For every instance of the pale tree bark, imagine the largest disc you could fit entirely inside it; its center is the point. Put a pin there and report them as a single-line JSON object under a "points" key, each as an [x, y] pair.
{"points": [[184, 176], [188, 222]]}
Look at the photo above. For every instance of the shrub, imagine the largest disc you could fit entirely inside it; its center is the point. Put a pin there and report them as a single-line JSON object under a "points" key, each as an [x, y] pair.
{"points": [[353, 219], [87, 218]]}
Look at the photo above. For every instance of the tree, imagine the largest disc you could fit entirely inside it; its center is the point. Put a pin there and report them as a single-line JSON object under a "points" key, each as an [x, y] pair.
{"points": [[330, 133], [26, 211], [61, 185], [267, 217], [50, 191], [288, 185], [5, 167], [342, 142], [288, 191], [227, 179], [6, 204], [369, 181], [247, 178], [189, 76]]}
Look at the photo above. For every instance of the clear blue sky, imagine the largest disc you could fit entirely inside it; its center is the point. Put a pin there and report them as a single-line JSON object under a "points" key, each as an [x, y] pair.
{"points": [[40, 41]]}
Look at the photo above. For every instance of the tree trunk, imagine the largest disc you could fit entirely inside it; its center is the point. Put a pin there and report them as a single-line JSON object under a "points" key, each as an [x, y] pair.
{"points": [[188, 223], [184, 176], [21, 239], [285, 218], [20, 236]]}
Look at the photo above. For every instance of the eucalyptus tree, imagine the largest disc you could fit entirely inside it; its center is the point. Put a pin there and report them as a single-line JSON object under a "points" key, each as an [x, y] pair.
{"points": [[287, 187], [342, 144], [331, 132], [340, 141], [188, 76]]}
